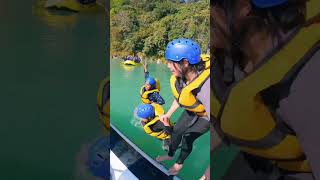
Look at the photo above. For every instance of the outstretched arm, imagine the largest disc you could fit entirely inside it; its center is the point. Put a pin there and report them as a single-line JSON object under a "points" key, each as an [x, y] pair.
{"points": [[165, 118], [145, 66], [145, 69], [173, 108]]}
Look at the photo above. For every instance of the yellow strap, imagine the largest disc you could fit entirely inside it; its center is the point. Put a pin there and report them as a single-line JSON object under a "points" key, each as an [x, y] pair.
{"points": [[186, 91], [197, 82], [244, 101], [284, 61]]}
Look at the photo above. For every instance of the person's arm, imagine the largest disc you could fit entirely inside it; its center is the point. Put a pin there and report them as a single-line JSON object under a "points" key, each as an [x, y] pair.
{"points": [[156, 97], [145, 69], [173, 108], [165, 118]]}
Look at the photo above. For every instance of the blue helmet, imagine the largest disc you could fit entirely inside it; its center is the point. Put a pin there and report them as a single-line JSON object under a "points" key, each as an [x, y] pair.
{"points": [[98, 158], [145, 111], [151, 81], [268, 3], [179, 49]]}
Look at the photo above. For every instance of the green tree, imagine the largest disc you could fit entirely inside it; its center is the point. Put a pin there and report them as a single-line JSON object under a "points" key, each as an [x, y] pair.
{"points": [[146, 26]]}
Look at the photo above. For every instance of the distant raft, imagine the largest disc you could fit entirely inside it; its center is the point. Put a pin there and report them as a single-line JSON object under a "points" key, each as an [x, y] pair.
{"points": [[71, 5], [130, 63]]}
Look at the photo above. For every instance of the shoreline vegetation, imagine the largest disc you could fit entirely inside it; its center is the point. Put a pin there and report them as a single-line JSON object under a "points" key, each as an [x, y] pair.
{"points": [[144, 27], [145, 59]]}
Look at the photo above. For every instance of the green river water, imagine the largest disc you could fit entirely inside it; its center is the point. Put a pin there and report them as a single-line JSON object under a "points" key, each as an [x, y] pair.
{"points": [[126, 82]]}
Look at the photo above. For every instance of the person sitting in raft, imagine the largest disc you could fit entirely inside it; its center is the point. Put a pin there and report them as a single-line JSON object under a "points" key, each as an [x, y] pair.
{"points": [[150, 92], [136, 59]]}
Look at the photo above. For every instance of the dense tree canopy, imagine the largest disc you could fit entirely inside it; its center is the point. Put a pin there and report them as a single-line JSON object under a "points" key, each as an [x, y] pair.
{"points": [[146, 26]]}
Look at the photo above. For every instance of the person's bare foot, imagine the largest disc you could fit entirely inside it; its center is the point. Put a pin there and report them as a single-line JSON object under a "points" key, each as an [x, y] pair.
{"points": [[174, 170], [163, 158]]}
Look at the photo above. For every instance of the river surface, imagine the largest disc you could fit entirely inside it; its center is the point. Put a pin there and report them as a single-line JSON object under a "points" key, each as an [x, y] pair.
{"points": [[126, 82]]}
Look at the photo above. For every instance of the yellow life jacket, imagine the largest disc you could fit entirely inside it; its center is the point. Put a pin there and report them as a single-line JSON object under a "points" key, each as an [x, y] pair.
{"points": [[160, 135], [145, 94], [185, 95], [206, 59], [103, 102], [244, 117]]}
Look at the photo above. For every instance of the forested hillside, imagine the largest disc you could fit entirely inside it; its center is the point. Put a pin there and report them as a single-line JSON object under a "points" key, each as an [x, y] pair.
{"points": [[146, 26]]}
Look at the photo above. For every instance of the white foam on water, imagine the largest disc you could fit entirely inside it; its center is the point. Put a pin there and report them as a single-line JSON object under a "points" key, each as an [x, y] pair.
{"points": [[135, 121]]}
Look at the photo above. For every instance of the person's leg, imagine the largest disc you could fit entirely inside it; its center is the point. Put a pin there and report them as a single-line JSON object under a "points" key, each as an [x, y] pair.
{"points": [[186, 146], [200, 127], [193, 133], [165, 144], [184, 122]]}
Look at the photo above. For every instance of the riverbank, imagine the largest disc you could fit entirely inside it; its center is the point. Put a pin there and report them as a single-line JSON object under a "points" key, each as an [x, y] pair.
{"points": [[148, 59]]}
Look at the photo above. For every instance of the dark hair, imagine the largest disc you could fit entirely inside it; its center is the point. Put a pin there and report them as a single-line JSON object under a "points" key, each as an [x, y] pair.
{"points": [[273, 20], [193, 67], [196, 68], [284, 17]]}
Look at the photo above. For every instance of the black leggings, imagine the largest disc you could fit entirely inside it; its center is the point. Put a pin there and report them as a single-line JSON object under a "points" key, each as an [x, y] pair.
{"points": [[188, 128]]}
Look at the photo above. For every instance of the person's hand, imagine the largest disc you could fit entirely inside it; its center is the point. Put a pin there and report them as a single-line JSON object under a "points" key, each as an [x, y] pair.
{"points": [[145, 66], [165, 119]]}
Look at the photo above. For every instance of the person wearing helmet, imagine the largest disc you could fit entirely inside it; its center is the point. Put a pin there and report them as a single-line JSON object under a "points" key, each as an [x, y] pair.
{"points": [[150, 91], [190, 85], [149, 115], [267, 62]]}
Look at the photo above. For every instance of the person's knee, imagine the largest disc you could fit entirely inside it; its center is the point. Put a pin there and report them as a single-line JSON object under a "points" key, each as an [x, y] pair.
{"points": [[187, 142], [185, 147], [191, 137], [179, 130]]}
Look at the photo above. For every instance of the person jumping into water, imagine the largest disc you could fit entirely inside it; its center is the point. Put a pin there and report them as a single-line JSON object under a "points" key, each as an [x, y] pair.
{"points": [[150, 91], [149, 114], [190, 84]]}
